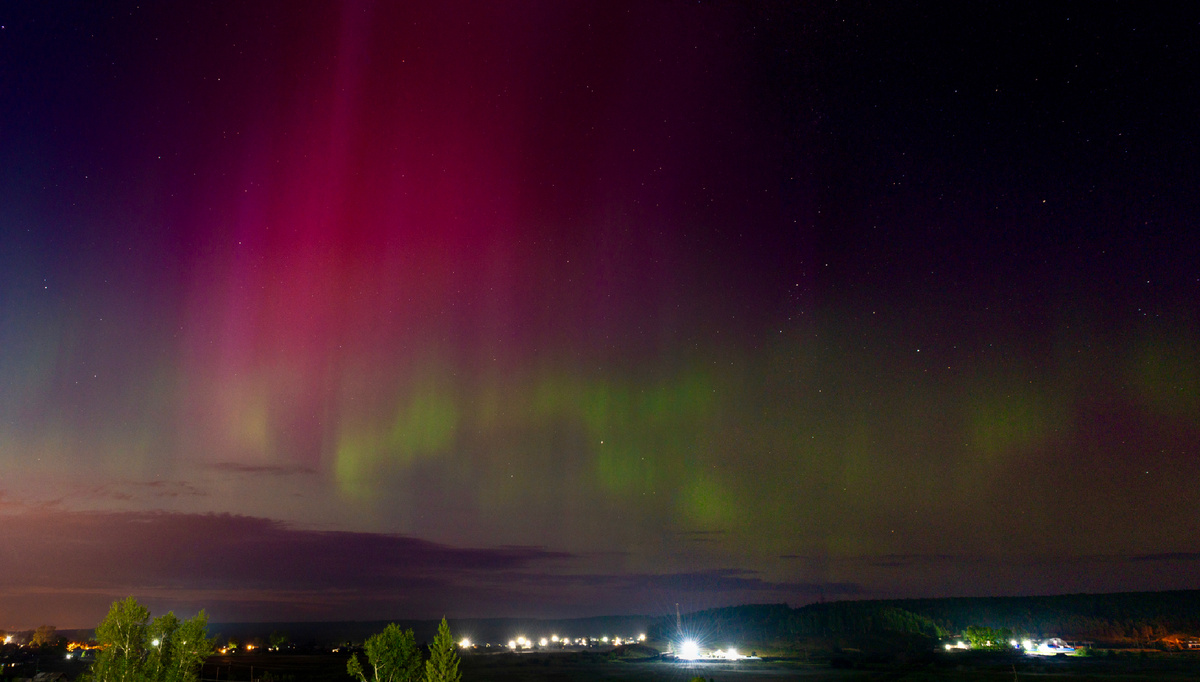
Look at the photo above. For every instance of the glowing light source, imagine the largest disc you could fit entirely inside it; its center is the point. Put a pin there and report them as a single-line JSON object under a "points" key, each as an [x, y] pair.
{"points": [[554, 638], [155, 642], [642, 637], [543, 641], [465, 643], [1053, 647], [689, 650], [512, 644]]}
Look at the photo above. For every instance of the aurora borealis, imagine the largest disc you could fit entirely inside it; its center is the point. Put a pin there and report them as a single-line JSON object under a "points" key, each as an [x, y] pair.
{"points": [[316, 311]]}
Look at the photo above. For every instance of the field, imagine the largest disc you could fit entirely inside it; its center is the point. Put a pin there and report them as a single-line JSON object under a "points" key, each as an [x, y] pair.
{"points": [[598, 667]]}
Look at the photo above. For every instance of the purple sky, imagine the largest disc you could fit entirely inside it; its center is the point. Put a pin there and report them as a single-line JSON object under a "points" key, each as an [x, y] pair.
{"points": [[362, 310]]}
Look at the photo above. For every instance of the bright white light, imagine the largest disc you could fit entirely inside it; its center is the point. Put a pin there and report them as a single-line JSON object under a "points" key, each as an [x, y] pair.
{"points": [[68, 657], [642, 637], [689, 650], [543, 641], [1053, 646], [1027, 644], [732, 654], [512, 644], [465, 643], [554, 638], [948, 647], [604, 639], [155, 642]]}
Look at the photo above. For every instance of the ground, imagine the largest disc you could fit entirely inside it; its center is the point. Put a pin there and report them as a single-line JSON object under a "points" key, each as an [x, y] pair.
{"points": [[597, 667]]}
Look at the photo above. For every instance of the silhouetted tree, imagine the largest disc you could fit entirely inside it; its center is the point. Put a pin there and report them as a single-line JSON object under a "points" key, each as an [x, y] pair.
{"points": [[988, 638], [442, 665], [135, 650], [392, 655], [44, 635], [278, 640]]}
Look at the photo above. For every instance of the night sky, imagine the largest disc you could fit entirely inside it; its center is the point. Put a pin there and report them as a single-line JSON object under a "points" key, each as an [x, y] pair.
{"points": [[315, 311]]}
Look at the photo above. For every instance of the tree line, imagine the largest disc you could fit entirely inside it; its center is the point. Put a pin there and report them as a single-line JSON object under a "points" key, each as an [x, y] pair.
{"points": [[780, 623], [1134, 616], [135, 648], [1130, 616]]}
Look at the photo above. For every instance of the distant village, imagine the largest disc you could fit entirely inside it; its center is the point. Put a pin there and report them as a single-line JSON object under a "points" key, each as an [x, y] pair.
{"points": [[44, 654], [1124, 632]]}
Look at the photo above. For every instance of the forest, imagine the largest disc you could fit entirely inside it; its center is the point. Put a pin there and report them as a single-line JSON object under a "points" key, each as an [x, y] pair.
{"points": [[1118, 619]]}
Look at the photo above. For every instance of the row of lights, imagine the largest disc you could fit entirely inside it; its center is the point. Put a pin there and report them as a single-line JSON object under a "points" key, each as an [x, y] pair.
{"points": [[523, 642], [72, 647], [689, 650], [1052, 645]]}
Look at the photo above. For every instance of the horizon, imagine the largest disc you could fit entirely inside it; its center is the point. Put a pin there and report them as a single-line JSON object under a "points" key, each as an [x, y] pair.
{"points": [[433, 621], [342, 310], [364, 628]]}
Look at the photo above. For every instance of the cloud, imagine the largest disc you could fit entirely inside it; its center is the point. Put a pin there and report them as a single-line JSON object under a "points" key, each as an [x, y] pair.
{"points": [[168, 488], [266, 470], [126, 491], [243, 567], [191, 548], [67, 566], [903, 560], [730, 580], [1166, 556], [702, 536], [657, 593]]}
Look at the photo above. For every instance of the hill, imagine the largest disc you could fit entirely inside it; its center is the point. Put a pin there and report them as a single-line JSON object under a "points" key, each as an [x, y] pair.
{"points": [[1119, 618], [1133, 616]]}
